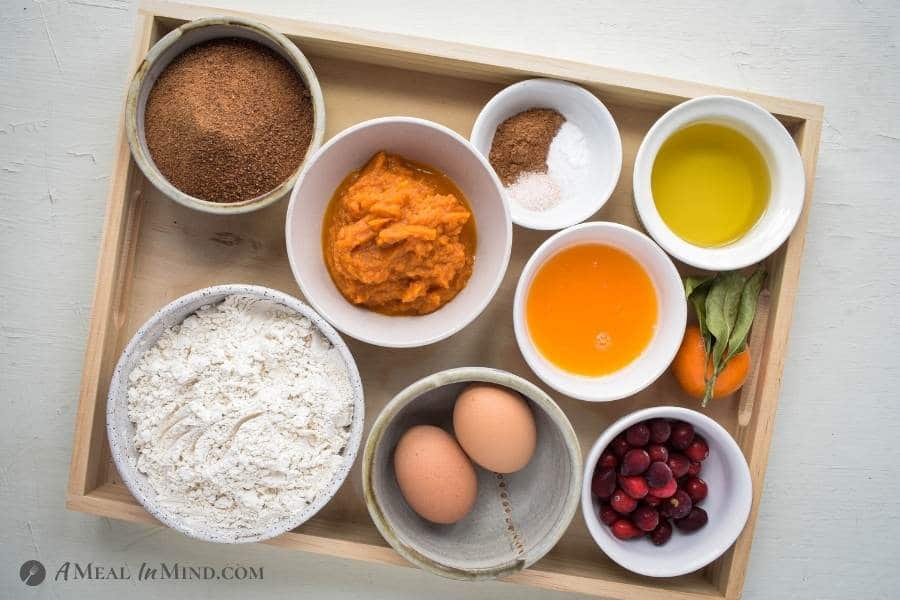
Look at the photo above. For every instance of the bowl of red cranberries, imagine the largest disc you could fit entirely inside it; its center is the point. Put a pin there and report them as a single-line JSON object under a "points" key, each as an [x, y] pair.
{"points": [[666, 491]]}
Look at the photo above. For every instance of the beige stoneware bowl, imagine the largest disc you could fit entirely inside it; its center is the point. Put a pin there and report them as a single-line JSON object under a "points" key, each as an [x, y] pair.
{"points": [[158, 58], [491, 541]]}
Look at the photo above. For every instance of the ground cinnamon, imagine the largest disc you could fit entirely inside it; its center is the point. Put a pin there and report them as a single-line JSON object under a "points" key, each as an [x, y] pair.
{"points": [[521, 143], [228, 120]]}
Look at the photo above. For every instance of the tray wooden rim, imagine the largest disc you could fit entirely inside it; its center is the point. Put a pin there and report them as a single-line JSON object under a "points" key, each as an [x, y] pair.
{"points": [[422, 54]]}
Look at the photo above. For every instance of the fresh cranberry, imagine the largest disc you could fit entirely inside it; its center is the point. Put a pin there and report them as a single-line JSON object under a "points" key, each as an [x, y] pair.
{"points": [[679, 464], [608, 460], [678, 506], [646, 518], [658, 453], [622, 502], [666, 491], [696, 519], [695, 469], [662, 533], [638, 435], [626, 530], [696, 488], [660, 430], [603, 484], [635, 462], [682, 435], [634, 485], [659, 474], [652, 501], [698, 450], [607, 514], [619, 446]]}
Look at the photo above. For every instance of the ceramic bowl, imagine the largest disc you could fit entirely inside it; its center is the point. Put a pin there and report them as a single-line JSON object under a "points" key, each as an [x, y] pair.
{"points": [[788, 182], [728, 503], [419, 140], [580, 107], [542, 497], [158, 58], [671, 321], [121, 430]]}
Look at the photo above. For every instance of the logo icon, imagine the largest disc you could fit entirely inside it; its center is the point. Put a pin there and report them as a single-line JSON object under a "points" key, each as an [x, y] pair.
{"points": [[32, 572]]}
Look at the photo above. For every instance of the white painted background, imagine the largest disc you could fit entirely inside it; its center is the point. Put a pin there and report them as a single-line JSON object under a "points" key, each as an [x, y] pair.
{"points": [[830, 520]]}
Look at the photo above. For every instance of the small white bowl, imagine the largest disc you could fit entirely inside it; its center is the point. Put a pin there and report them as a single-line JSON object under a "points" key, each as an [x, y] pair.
{"points": [[120, 429], [670, 323], [434, 145], [583, 109], [788, 182], [728, 503]]}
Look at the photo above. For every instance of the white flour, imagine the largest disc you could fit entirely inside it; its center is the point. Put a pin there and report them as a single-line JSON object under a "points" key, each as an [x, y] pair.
{"points": [[241, 414]]}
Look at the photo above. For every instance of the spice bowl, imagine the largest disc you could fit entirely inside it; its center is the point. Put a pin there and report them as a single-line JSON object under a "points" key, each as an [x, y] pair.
{"points": [[728, 502], [164, 52], [517, 518], [121, 431], [787, 182], [431, 144], [602, 144], [668, 331]]}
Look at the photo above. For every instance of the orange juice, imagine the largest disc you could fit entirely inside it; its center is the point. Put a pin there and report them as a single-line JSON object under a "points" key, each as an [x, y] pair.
{"points": [[591, 309]]}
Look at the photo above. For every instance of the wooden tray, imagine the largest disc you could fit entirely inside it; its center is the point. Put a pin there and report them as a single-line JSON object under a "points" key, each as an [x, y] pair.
{"points": [[154, 250]]}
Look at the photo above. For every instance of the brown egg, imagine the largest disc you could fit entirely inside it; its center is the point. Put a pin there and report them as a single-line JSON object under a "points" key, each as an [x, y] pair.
{"points": [[495, 427], [435, 476]]}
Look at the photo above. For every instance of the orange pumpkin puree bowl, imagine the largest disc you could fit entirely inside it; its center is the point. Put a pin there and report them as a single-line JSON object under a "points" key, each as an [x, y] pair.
{"points": [[402, 282], [599, 311]]}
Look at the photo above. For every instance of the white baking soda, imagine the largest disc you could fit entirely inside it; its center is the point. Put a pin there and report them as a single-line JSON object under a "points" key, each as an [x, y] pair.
{"points": [[568, 160]]}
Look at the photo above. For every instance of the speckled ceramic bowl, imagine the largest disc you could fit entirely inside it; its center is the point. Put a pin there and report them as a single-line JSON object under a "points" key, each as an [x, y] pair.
{"points": [[517, 518], [120, 429], [158, 58]]}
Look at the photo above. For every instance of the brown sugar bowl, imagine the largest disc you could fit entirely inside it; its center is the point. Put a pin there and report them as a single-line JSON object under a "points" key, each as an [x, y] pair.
{"points": [[156, 61]]}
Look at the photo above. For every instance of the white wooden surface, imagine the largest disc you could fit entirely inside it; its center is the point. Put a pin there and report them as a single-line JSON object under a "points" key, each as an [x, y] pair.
{"points": [[830, 520]]}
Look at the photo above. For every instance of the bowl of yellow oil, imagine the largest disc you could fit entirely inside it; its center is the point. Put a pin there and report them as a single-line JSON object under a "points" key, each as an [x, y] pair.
{"points": [[719, 183]]}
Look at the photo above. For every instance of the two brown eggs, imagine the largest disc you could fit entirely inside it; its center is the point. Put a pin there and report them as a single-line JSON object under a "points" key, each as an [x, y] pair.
{"points": [[494, 427]]}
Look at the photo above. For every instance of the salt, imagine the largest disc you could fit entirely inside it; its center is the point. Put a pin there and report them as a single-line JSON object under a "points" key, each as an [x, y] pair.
{"points": [[534, 191]]}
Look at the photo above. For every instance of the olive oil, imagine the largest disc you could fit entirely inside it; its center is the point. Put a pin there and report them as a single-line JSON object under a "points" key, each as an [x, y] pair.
{"points": [[710, 184]]}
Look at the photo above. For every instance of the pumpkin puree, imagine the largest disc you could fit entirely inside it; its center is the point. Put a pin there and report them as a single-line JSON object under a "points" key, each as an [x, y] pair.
{"points": [[398, 237]]}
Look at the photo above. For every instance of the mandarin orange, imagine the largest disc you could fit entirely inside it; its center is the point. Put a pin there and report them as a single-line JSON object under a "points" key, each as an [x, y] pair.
{"points": [[691, 367]]}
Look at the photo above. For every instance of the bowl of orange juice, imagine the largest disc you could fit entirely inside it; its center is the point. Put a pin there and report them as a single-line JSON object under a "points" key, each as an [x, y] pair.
{"points": [[599, 311]]}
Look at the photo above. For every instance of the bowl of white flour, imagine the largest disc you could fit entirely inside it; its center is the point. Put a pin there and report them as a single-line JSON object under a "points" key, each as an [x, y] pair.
{"points": [[235, 413]]}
